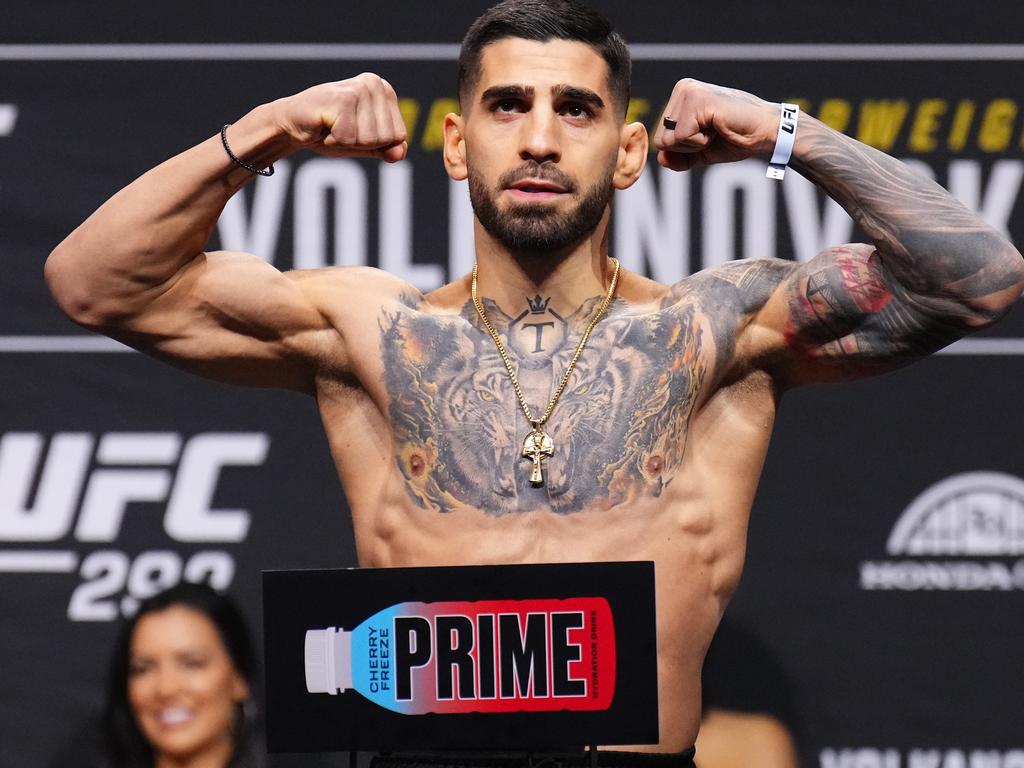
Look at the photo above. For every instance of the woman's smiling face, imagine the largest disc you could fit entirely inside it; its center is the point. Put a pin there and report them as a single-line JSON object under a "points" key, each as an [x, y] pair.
{"points": [[182, 685]]}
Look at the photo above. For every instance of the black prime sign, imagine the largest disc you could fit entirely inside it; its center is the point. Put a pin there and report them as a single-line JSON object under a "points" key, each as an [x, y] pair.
{"points": [[509, 657]]}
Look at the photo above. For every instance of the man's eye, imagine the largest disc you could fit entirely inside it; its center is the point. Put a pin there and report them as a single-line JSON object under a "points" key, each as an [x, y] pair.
{"points": [[505, 106], [577, 110]]}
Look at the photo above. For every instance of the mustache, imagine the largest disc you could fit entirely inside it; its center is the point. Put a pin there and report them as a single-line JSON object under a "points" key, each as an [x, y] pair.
{"points": [[542, 171]]}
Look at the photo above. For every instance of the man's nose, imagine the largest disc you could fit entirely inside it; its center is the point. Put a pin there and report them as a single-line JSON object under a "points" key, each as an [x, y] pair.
{"points": [[540, 140]]}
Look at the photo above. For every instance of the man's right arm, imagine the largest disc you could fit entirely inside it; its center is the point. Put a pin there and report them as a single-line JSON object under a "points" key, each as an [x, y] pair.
{"points": [[135, 270]]}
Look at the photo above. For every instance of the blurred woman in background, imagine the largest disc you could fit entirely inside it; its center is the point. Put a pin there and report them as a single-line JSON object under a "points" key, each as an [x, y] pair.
{"points": [[181, 685], [749, 717]]}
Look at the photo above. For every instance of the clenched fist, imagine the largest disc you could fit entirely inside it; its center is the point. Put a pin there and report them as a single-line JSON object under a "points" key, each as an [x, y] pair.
{"points": [[358, 117], [714, 125]]}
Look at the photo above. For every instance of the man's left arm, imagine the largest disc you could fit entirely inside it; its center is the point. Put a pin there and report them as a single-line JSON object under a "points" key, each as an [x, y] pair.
{"points": [[934, 272]]}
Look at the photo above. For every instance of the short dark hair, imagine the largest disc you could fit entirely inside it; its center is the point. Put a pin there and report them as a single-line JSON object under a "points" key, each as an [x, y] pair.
{"points": [[125, 745], [545, 20]]}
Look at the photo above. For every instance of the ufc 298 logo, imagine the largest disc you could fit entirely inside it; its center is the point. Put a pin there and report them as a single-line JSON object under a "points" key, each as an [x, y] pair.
{"points": [[78, 486]]}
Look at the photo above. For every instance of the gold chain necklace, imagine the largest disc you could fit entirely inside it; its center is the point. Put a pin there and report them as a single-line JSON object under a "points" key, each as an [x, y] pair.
{"points": [[538, 444]]}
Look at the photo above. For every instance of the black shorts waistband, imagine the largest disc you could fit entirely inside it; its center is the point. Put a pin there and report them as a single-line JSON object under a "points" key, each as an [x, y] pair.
{"points": [[604, 759]]}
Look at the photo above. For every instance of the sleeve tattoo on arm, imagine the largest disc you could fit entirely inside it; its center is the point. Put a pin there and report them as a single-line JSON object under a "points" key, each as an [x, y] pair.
{"points": [[845, 311], [934, 273]]}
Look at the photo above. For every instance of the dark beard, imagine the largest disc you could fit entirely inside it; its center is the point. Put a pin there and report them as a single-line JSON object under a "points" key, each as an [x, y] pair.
{"points": [[537, 228]]}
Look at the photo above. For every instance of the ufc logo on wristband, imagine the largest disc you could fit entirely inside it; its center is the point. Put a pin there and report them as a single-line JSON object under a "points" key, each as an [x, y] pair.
{"points": [[784, 142]]}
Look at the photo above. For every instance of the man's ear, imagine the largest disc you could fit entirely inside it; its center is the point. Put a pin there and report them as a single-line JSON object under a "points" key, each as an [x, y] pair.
{"points": [[633, 148], [455, 147]]}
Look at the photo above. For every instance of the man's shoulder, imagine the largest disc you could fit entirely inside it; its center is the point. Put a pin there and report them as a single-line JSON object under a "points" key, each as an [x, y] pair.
{"points": [[727, 298], [742, 286], [358, 285]]}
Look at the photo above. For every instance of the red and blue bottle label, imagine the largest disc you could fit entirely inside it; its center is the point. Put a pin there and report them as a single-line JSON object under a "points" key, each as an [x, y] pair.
{"points": [[487, 656]]}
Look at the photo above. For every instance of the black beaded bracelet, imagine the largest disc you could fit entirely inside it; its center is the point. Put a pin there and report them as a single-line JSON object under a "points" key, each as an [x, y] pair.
{"points": [[251, 169]]}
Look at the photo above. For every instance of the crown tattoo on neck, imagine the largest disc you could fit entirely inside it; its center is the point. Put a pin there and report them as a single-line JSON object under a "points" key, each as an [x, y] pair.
{"points": [[538, 305]]}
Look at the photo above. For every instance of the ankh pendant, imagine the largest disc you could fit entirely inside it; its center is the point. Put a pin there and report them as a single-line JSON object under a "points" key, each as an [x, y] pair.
{"points": [[538, 445]]}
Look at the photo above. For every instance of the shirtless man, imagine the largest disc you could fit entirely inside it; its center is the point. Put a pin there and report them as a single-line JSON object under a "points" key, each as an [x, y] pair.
{"points": [[660, 434]]}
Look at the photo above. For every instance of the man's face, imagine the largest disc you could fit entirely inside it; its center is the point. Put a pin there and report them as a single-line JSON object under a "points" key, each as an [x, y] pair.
{"points": [[541, 141]]}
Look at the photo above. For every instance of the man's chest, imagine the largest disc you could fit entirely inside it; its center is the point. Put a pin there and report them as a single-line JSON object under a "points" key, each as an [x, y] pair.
{"points": [[616, 428]]}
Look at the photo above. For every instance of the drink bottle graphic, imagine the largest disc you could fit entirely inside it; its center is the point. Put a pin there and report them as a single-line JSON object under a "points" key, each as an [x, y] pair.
{"points": [[480, 656]]}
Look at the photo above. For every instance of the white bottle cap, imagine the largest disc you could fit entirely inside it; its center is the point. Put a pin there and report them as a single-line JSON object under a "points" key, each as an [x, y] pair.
{"points": [[328, 660]]}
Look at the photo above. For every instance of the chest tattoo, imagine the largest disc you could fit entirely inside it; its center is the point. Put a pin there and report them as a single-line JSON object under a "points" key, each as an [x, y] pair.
{"points": [[619, 429]]}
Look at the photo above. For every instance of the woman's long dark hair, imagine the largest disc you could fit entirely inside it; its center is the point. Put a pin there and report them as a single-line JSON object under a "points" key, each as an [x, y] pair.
{"points": [[126, 747]]}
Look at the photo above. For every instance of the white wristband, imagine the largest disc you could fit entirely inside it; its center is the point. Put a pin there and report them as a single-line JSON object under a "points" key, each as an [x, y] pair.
{"points": [[784, 141]]}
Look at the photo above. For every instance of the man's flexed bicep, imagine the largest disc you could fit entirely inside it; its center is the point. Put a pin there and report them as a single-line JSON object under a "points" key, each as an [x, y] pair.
{"points": [[934, 272], [135, 269], [231, 317], [844, 315]]}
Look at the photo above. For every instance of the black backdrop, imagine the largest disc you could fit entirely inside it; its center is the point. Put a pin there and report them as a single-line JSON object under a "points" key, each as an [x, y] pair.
{"points": [[892, 621]]}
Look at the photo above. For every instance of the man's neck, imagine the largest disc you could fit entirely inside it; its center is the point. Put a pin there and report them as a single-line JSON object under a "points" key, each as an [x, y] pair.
{"points": [[565, 279]]}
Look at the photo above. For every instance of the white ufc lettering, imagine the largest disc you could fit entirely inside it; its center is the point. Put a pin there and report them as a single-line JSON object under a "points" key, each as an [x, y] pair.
{"points": [[8, 118], [126, 468], [50, 517], [189, 516]]}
